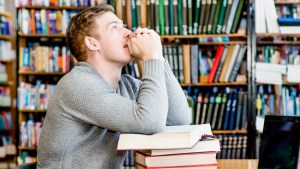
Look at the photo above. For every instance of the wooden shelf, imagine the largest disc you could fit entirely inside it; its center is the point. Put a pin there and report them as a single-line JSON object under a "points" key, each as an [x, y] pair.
{"points": [[5, 37], [213, 84], [229, 131], [288, 83], [209, 43], [40, 73], [32, 111], [5, 107], [278, 42], [55, 7], [27, 148], [6, 14], [287, 2], [41, 35], [276, 35], [202, 36], [7, 60], [9, 83]]}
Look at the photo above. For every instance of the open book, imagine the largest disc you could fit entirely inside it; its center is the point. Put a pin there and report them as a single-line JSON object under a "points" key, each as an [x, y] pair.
{"points": [[174, 137]]}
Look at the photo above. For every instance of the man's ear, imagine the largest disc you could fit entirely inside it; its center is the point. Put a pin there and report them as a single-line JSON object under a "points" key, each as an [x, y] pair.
{"points": [[91, 43]]}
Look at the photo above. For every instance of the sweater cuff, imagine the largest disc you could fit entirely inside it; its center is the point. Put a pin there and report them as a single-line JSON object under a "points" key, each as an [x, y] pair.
{"points": [[153, 66], [168, 69]]}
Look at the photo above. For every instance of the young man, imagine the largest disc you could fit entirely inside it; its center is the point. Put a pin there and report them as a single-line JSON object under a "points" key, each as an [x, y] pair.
{"points": [[94, 103]]}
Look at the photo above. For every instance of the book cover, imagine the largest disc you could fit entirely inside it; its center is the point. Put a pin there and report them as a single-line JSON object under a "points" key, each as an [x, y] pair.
{"points": [[173, 137]]}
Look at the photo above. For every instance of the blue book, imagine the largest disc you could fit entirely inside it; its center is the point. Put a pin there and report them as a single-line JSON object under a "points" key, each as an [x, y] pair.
{"points": [[288, 21], [227, 111], [233, 110]]}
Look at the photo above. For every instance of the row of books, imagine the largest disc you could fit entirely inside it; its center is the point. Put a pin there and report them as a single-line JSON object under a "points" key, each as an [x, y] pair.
{"points": [[223, 65], [7, 147], [289, 25], [6, 51], [44, 58], [278, 100], [5, 98], [25, 158], [44, 21], [34, 97], [223, 110], [30, 133], [4, 26], [129, 160], [3, 73], [233, 146], [5, 121], [57, 2], [288, 11], [284, 54], [169, 17]]}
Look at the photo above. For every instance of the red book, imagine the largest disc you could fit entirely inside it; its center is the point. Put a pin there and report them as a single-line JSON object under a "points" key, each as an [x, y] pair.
{"points": [[215, 64]]}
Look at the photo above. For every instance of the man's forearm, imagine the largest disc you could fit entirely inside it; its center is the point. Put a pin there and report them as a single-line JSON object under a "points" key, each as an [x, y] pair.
{"points": [[178, 111]]}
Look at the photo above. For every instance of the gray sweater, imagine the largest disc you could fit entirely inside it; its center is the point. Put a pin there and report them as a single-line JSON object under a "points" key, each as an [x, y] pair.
{"points": [[86, 115]]}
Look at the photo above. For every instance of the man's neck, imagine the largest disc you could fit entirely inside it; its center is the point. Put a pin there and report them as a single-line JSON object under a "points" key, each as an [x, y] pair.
{"points": [[110, 72]]}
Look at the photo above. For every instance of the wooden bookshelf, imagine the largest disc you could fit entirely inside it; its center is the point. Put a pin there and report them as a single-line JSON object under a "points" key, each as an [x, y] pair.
{"points": [[229, 131], [5, 37], [27, 148], [278, 42], [287, 2], [32, 111], [41, 73], [9, 83], [41, 35], [6, 14], [213, 84], [276, 35], [209, 43], [54, 7], [7, 60], [202, 36]]}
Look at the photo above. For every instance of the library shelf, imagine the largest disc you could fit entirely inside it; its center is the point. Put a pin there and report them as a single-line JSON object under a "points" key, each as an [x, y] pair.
{"points": [[7, 60], [208, 43], [235, 35], [5, 37], [6, 14], [27, 148], [213, 84], [32, 111], [276, 35], [40, 73], [287, 2], [41, 35], [278, 42], [54, 7], [9, 83]]}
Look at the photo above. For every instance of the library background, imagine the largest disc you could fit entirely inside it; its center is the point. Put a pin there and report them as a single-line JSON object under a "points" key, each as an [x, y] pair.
{"points": [[237, 60]]}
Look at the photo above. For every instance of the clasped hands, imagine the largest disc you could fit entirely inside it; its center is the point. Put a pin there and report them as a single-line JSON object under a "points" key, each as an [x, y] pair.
{"points": [[145, 44]]}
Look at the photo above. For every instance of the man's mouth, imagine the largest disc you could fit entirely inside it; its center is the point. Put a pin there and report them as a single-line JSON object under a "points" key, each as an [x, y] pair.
{"points": [[125, 46]]}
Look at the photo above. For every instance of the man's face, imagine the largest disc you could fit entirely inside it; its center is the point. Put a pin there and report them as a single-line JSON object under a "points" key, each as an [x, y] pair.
{"points": [[113, 38]]}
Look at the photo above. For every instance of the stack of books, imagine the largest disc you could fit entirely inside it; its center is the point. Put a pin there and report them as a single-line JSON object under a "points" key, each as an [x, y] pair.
{"points": [[190, 146]]}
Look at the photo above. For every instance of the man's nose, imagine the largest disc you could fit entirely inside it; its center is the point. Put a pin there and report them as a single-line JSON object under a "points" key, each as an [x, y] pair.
{"points": [[127, 32]]}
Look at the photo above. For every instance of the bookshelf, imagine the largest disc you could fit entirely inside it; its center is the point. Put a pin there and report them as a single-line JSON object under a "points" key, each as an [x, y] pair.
{"points": [[29, 77], [275, 99], [7, 89]]}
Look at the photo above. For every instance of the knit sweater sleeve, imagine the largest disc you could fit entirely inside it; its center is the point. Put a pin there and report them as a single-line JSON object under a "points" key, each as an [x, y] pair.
{"points": [[178, 110], [86, 102]]}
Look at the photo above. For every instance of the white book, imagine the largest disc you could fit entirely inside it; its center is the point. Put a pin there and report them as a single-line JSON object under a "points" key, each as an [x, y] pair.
{"points": [[260, 18], [206, 145], [271, 67], [266, 77], [289, 29], [231, 15], [174, 137], [271, 16], [293, 73]]}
